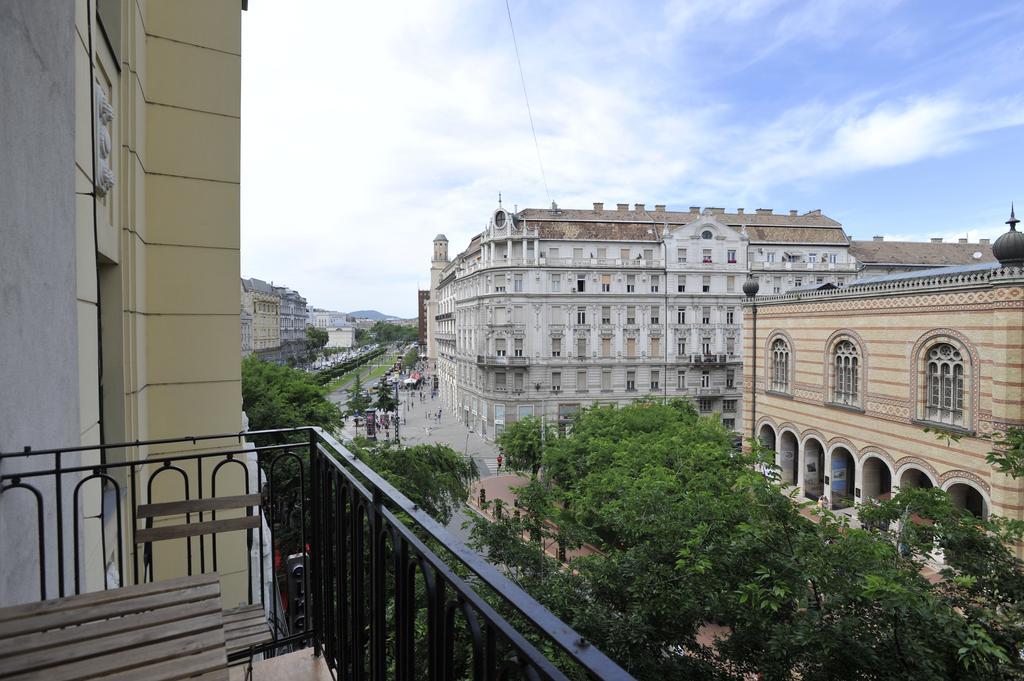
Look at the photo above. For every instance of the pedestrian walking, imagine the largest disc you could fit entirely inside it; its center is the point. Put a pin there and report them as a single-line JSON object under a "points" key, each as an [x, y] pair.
{"points": [[501, 460], [439, 416]]}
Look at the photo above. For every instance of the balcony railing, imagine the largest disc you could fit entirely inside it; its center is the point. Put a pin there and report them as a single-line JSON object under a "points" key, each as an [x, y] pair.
{"points": [[716, 358], [379, 600], [501, 361]]}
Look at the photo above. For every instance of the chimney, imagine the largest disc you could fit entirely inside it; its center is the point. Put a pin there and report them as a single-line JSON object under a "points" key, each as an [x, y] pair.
{"points": [[659, 207], [598, 207], [623, 206], [961, 241], [792, 213], [816, 211], [878, 238], [983, 242], [764, 211], [739, 211], [638, 207], [695, 210], [936, 240]]}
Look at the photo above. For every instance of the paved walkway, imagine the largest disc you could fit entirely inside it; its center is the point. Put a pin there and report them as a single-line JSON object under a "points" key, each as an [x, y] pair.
{"points": [[420, 426]]}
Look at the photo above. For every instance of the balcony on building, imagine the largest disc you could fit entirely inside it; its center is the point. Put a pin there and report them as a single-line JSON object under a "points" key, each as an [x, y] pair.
{"points": [[309, 564], [715, 359]]}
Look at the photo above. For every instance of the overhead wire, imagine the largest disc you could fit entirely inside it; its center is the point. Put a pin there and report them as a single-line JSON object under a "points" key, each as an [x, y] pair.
{"points": [[529, 111]]}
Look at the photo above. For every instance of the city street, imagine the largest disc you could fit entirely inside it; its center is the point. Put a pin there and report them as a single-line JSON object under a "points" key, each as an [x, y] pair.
{"points": [[420, 426]]}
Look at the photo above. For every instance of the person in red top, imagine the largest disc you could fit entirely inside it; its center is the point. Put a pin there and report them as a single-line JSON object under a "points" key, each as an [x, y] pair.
{"points": [[501, 460]]}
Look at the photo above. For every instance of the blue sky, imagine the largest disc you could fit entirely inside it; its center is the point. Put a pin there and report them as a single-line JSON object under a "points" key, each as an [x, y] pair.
{"points": [[366, 130]]}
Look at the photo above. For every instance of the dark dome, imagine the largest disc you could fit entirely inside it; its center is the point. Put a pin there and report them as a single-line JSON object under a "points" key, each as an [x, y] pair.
{"points": [[750, 287], [1009, 248]]}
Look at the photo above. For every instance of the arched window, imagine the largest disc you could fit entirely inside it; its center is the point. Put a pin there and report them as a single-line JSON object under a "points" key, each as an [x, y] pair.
{"points": [[780, 366], [706, 234], [845, 373], [944, 385]]}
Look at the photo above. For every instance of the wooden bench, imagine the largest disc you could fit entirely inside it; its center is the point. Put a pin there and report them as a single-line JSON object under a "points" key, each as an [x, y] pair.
{"points": [[245, 625], [163, 631]]}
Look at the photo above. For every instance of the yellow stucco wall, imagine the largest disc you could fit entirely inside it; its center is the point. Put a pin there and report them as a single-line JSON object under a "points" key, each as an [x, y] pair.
{"points": [[168, 231], [892, 328]]}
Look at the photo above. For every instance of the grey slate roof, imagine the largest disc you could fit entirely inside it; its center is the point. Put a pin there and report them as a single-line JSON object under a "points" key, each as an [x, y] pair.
{"points": [[922, 274], [921, 253]]}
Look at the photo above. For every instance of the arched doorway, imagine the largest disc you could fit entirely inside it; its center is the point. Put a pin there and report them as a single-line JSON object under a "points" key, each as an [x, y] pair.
{"points": [[787, 458], [915, 477], [767, 437], [842, 478], [967, 497], [813, 462], [876, 479]]}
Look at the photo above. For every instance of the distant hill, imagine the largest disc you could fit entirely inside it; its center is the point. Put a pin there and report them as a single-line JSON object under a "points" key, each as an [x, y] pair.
{"points": [[371, 314]]}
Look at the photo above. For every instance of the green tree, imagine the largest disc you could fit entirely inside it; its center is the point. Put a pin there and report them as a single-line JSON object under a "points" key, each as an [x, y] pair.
{"points": [[357, 402], [410, 359], [522, 443], [435, 477], [681, 533], [386, 400], [275, 396], [1008, 456], [316, 339]]}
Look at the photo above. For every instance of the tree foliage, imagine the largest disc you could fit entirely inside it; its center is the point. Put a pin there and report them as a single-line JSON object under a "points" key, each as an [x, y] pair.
{"points": [[386, 332], [386, 400], [357, 402], [435, 477], [689, 536], [275, 396], [410, 359], [522, 444], [1008, 456], [316, 339]]}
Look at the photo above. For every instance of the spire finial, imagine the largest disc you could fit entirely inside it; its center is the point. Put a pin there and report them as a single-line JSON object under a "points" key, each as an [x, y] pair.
{"points": [[499, 199], [1013, 219]]}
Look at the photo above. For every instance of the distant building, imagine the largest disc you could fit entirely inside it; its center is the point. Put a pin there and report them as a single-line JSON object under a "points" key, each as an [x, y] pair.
{"points": [[260, 301], [878, 256], [293, 322], [423, 320], [848, 379], [327, 319], [343, 337], [438, 265]]}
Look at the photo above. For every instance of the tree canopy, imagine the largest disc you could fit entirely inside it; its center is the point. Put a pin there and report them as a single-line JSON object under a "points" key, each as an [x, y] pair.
{"points": [[357, 402], [683, 537], [435, 477], [522, 442], [275, 396]]}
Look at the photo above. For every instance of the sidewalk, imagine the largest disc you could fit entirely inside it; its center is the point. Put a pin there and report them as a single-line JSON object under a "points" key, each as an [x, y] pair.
{"points": [[420, 415]]}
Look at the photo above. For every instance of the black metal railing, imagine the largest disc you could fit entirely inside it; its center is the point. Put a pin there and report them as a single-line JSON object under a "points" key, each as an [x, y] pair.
{"points": [[380, 599]]}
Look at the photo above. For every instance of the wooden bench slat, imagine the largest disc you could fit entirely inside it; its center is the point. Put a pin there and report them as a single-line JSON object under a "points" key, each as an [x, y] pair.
{"points": [[64, 618], [247, 641], [136, 662], [197, 505], [17, 645], [242, 610], [99, 597], [212, 664], [114, 644], [242, 632], [151, 534]]}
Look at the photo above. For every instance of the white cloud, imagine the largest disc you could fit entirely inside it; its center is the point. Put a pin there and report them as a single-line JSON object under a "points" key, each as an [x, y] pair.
{"points": [[369, 128]]}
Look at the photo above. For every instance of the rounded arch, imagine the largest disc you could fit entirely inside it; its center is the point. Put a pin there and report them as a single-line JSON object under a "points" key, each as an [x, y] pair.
{"points": [[812, 433], [860, 370], [770, 422], [788, 454], [876, 475], [960, 485], [841, 468], [914, 472], [780, 371], [972, 364], [813, 464]]}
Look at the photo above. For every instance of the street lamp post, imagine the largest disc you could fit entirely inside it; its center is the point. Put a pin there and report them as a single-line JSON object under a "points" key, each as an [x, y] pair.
{"points": [[750, 288]]}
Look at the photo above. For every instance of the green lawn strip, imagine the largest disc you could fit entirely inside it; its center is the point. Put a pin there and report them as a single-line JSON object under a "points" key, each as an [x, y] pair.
{"points": [[347, 378]]}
